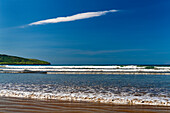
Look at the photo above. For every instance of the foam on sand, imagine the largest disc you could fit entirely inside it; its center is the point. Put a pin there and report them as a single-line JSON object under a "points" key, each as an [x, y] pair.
{"points": [[88, 97]]}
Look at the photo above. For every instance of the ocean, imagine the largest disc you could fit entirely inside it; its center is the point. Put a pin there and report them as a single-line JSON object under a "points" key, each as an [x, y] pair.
{"points": [[109, 90]]}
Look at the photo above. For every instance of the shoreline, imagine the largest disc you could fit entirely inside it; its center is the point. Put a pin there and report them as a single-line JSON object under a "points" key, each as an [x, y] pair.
{"points": [[32, 105], [45, 91], [82, 97]]}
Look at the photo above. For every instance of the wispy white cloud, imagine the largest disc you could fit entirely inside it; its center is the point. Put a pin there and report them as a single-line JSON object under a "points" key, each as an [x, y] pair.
{"points": [[72, 18], [88, 52], [108, 51]]}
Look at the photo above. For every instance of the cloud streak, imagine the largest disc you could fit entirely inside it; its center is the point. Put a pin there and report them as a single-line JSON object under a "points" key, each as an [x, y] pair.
{"points": [[88, 52], [72, 18], [108, 51]]}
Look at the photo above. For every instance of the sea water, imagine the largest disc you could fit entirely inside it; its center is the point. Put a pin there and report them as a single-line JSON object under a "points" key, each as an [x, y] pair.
{"points": [[111, 89]]}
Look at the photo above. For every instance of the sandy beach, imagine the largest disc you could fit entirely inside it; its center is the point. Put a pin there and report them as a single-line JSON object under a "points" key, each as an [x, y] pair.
{"points": [[18, 105]]}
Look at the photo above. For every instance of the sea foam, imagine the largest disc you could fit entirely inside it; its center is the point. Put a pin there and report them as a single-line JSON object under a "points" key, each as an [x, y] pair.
{"points": [[90, 97]]}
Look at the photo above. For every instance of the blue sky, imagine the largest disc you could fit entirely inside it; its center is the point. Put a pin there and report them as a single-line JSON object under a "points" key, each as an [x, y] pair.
{"points": [[137, 33]]}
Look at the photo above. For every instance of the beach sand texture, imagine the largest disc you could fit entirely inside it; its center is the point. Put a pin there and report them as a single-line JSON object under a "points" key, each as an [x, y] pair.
{"points": [[21, 105]]}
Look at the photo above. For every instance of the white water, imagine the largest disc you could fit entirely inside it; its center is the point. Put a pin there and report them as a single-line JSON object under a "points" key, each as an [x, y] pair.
{"points": [[113, 89], [88, 97]]}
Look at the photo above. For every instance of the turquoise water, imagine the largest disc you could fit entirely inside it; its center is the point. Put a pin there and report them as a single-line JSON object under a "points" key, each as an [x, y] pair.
{"points": [[98, 86]]}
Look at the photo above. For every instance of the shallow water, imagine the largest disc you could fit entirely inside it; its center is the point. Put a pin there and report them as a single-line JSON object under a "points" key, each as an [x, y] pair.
{"points": [[112, 89], [21, 105]]}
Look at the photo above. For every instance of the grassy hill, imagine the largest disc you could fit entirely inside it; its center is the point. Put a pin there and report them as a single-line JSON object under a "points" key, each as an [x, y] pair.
{"points": [[6, 59]]}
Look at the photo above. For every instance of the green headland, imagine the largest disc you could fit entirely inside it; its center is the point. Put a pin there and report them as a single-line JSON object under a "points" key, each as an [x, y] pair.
{"points": [[14, 60]]}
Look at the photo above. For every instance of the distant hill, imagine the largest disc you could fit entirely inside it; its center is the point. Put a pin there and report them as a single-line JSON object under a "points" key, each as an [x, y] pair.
{"points": [[6, 59]]}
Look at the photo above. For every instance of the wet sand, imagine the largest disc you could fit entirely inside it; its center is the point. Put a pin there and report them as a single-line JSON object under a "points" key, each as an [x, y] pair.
{"points": [[22, 105]]}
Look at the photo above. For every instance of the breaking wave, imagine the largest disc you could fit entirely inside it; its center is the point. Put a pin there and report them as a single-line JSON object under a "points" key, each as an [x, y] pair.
{"points": [[110, 95]]}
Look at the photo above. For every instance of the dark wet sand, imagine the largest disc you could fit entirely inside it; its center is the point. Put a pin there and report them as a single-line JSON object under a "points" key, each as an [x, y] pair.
{"points": [[20, 105]]}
